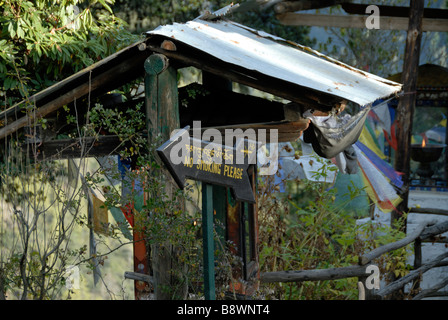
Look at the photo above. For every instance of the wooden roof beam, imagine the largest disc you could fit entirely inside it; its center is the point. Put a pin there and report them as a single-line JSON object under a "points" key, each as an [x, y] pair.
{"points": [[394, 11], [348, 21], [111, 78], [288, 6], [75, 148], [308, 97]]}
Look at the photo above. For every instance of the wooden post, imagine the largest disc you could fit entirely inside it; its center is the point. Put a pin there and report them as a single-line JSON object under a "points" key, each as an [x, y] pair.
{"points": [[162, 117], [208, 243], [417, 262], [366, 293], [154, 65], [213, 205], [406, 104]]}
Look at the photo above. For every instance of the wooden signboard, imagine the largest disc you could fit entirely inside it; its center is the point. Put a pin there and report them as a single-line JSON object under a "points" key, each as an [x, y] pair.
{"points": [[188, 157]]}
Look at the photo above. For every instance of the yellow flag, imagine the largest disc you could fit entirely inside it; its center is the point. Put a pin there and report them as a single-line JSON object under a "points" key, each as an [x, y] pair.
{"points": [[367, 139], [100, 215]]}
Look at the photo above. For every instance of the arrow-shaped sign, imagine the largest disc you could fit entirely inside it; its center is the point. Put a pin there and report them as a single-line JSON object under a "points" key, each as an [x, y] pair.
{"points": [[188, 157]]}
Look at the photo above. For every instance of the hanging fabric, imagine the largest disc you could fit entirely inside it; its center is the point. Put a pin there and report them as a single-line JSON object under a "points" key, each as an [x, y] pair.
{"points": [[377, 185], [331, 135], [368, 140], [122, 215], [123, 221], [384, 167], [346, 161], [92, 241], [72, 173], [100, 215]]}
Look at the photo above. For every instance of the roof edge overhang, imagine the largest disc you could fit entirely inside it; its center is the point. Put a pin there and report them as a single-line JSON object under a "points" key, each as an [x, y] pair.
{"points": [[259, 55]]}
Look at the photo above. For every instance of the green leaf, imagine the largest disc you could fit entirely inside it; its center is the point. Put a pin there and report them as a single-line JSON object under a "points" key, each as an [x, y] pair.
{"points": [[20, 32], [7, 84], [38, 50], [105, 5], [12, 29]]}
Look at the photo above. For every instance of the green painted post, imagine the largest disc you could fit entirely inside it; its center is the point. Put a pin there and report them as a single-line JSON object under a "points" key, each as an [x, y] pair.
{"points": [[155, 67], [162, 116], [208, 243]]}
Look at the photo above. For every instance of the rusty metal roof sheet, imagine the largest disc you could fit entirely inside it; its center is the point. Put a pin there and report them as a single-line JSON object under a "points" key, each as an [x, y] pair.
{"points": [[259, 51]]}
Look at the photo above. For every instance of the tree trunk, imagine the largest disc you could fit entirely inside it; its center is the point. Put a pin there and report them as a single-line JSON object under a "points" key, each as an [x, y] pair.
{"points": [[406, 104]]}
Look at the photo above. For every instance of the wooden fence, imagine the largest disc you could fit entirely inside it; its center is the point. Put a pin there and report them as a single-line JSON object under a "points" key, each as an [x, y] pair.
{"points": [[425, 232]]}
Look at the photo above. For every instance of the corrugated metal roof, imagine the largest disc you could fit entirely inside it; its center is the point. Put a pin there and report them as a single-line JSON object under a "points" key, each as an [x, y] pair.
{"points": [[276, 57]]}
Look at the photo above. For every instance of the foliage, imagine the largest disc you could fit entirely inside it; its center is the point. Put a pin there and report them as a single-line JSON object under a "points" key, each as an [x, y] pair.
{"points": [[35, 200], [147, 14], [45, 41], [127, 125], [317, 234]]}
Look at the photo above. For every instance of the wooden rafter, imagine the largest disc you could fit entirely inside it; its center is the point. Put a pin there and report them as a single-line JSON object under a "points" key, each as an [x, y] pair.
{"points": [[76, 148], [358, 21]]}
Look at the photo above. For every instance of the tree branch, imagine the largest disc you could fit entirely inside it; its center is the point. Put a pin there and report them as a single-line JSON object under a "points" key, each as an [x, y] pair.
{"points": [[432, 291], [398, 284]]}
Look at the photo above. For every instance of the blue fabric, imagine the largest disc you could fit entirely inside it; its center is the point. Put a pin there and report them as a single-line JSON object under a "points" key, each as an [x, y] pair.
{"points": [[385, 167]]}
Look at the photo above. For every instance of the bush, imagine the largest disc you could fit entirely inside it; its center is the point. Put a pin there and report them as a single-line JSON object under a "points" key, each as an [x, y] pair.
{"points": [[314, 233]]}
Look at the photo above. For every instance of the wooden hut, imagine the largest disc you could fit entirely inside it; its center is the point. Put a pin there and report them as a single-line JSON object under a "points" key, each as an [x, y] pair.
{"points": [[225, 52]]}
